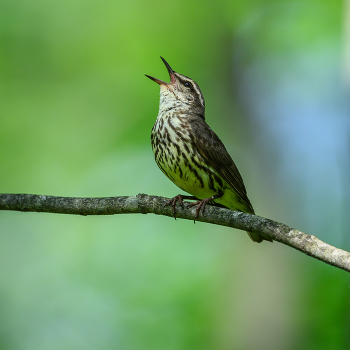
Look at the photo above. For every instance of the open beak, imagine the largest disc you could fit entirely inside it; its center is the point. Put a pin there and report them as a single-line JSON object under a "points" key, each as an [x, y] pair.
{"points": [[171, 74]]}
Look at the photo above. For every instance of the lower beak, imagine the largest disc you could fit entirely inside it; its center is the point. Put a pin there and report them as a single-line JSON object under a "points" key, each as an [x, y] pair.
{"points": [[171, 74]]}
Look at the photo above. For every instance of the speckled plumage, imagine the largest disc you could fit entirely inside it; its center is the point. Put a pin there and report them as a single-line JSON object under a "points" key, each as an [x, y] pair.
{"points": [[189, 153]]}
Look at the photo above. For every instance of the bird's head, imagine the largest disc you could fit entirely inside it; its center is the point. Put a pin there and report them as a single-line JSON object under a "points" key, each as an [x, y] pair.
{"points": [[182, 92]]}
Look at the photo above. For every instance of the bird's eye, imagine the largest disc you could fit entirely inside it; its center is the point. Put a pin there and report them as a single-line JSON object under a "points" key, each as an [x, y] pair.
{"points": [[188, 84]]}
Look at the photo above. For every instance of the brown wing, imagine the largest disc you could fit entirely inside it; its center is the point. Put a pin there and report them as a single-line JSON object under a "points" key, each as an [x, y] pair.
{"points": [[214, 152]]}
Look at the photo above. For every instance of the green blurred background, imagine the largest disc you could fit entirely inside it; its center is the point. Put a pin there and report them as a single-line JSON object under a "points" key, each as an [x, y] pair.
{"points": [[76, 112]]}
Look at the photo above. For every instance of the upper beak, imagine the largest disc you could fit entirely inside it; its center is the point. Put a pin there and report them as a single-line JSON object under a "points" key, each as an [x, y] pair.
{"points": [[171, 74]]}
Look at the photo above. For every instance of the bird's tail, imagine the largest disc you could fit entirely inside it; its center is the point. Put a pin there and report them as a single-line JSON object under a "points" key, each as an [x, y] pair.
{"points": [[257, 238], [254, 236]]}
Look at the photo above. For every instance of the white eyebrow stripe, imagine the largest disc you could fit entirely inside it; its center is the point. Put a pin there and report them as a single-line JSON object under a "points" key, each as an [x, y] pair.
{"points": [[195, 86], [199, 93]]}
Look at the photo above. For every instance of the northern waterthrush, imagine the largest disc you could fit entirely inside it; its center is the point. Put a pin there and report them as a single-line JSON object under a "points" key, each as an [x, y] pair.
{"points": [[190, 154]]}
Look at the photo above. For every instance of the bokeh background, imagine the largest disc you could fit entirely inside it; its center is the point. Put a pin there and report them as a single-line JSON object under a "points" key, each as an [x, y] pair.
{"points": [[76, 114]]}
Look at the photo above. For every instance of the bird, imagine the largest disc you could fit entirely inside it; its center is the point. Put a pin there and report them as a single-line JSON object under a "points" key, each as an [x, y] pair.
{"points": [[189, 152]]}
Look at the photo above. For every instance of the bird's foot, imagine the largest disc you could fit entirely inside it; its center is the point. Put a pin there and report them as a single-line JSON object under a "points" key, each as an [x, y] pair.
{"points": [[179, 198], [202, 204]]}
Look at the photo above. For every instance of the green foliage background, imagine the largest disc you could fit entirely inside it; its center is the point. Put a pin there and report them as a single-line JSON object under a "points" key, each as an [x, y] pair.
{"points": [[75, 118]]}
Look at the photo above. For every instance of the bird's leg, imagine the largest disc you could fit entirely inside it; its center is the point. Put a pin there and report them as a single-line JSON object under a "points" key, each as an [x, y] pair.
{"points": [[179, 198], [201, 204]]}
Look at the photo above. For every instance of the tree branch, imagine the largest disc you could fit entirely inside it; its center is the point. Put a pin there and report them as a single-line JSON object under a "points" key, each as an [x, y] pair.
{"points": [[144, 204]]}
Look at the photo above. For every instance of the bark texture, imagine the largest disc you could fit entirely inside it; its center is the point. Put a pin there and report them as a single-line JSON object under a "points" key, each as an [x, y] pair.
{"points": [[145, 204]]}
